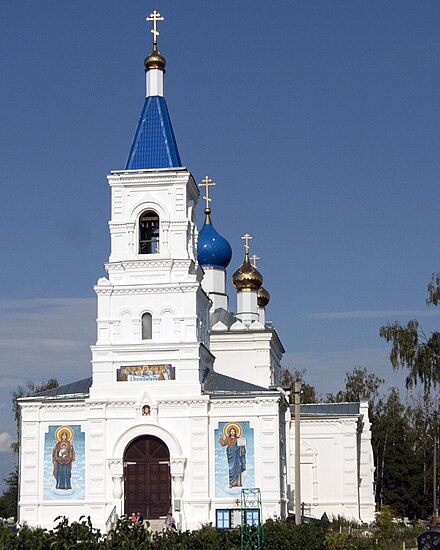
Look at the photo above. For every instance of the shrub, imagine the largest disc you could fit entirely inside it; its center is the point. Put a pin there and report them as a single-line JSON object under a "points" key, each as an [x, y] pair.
{"points": [[82, 536], [284, 534]]}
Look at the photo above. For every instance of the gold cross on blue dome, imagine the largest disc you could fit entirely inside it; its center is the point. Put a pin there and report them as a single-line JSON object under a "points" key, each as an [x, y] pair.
{"points": [[207, 183]]}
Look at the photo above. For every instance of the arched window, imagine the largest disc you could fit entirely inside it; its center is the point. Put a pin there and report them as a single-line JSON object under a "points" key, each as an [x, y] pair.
{"points": [[147, 326], [149, 233]]}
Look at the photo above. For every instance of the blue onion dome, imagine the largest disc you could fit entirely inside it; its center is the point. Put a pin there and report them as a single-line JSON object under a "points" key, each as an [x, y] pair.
{"points": [[247, 277], [213, 250]]}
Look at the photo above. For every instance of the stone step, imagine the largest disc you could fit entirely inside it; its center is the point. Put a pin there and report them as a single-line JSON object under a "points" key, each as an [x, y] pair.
{"points": [[156, 525]]}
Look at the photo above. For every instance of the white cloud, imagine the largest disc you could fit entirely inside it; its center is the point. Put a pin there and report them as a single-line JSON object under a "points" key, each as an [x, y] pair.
{"points": [[374, 314], [5, 442], [326, 370], [45, 337]]}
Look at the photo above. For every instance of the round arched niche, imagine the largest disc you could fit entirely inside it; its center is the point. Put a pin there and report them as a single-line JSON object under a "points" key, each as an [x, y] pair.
{"points": [[140, 430]]}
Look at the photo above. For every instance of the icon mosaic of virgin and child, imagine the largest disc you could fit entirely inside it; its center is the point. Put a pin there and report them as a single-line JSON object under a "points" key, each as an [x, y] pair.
{"points": [[64, 465], [63, 455], [234, 455]]}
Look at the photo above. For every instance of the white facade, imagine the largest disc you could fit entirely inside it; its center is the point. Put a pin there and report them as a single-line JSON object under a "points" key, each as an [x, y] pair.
{"points": [[214, 284], [199, 390], [166, 285], [185, 425], [253, 355], [337, 467]]}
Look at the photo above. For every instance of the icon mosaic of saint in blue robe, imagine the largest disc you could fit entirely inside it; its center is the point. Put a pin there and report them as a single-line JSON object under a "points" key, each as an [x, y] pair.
{"points": [[234, 458]]}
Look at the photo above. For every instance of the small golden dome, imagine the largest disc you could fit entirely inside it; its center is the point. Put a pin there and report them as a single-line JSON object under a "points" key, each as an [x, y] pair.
{"points": [[247, 277], [155, 61], [263, 297]]}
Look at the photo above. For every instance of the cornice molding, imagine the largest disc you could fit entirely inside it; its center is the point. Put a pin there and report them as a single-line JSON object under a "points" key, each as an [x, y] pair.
{"points": [[333, 420], [128, 265], [222, 403], [102, 291], [153, 178], [188, 287], [61, 406], [120, 404], [115, 225], [139, 264], [184, 222], [175, 404]]}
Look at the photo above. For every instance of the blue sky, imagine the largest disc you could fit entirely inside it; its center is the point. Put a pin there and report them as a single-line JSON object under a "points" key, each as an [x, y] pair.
{"points": [[319, 121]]}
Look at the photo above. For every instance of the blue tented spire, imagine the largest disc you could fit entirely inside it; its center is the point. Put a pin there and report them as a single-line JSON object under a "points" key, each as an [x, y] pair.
{"points": [[154, 144]]}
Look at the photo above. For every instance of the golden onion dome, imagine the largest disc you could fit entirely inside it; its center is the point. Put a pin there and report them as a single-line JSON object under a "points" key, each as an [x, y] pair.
{"points": [[263, 297], [155, 60], [247, 277]]}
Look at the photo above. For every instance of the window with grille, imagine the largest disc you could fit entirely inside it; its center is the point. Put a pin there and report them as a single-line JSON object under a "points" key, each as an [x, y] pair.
{"points": [[223, 519]]}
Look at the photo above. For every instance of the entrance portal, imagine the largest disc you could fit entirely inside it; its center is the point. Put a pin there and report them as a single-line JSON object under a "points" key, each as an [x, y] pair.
{"points": [[147, 479]]}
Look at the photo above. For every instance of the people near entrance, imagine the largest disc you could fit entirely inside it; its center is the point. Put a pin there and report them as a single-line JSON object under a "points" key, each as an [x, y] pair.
{"points": [[63, 455], [170, 522], [235, 452], [139, 518], [133, 518]]}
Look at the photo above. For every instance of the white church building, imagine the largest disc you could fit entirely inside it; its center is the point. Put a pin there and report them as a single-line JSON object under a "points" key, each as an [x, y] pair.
{"points": [[184, 407]]}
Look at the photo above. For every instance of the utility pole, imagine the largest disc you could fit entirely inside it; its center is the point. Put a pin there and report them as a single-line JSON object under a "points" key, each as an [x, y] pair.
{"points": [[434, 460], [434, 479], [297, 393]]}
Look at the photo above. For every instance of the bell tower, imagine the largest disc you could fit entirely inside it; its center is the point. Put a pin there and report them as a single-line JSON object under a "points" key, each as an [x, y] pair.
{"points": [[153, 315]]}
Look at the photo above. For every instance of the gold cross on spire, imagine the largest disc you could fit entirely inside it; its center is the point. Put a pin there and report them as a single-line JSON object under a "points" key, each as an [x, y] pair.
{"points": [[254, 258], [207, 183], [155, 17], [247, 238]]}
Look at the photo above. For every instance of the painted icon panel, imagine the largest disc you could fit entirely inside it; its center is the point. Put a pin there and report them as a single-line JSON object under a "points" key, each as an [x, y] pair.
{"points": [[146, 373], [234, 458], [64, 463]]}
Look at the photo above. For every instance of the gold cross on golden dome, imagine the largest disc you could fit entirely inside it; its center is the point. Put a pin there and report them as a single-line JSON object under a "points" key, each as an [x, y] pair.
{"points": [[247, 238], [254, 258], [207, 183], [155, 17]]}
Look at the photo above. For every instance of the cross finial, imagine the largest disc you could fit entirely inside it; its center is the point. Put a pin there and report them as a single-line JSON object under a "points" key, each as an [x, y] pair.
{"points": [[254, 258], [155, 17], [247, 238], [207, 183]]}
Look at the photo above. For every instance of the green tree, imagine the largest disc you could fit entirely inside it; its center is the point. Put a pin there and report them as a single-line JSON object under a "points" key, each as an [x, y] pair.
{"points": [[414, 350], [308, 392], [419, 354], [359, 385], [434, 290], [9, 499], [399, 470], [424, 422]]}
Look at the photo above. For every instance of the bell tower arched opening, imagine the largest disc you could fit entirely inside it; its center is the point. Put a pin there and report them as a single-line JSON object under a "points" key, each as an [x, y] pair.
{"points": [[149, 232], [147, 478]]}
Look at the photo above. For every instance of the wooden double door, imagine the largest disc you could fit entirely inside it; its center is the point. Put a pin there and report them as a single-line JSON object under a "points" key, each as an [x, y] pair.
{"points": [[147, 479]]}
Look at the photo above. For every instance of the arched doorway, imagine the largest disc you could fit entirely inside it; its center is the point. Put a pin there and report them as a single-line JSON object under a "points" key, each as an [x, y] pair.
{"points": [[147, 479]]}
